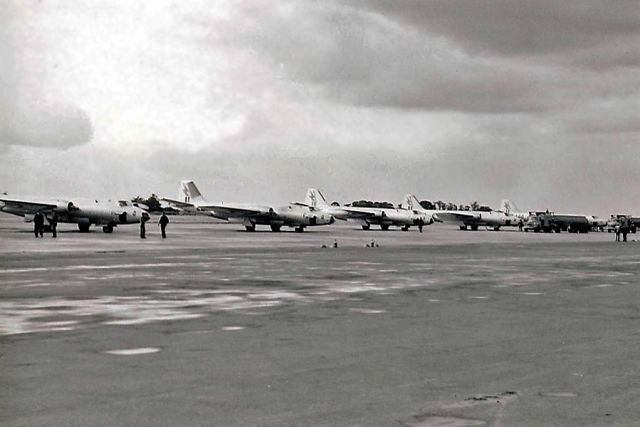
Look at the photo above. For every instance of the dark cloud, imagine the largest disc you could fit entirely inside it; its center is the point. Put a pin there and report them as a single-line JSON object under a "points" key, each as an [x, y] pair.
{"points": [[517, 27], [471, 57], [355, 58]]}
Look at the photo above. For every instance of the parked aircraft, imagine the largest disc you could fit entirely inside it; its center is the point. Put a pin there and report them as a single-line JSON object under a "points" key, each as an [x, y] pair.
{"points": [[414, 214], [510, 208], [84, 212], [475, 219], [294, 215]]}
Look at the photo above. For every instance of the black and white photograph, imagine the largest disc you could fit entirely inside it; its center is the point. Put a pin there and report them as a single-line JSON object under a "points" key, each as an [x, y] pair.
{"points": [[267, 213]]}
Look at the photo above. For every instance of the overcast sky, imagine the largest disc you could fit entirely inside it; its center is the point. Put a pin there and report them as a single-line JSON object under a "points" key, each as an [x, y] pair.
{"points": [[536, 101]]}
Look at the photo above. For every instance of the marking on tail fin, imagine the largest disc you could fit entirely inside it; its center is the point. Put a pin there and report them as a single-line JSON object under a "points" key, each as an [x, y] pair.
{"points": [[315, 199], [412, 202], [189, 193], [508, 206], [312, 199]]}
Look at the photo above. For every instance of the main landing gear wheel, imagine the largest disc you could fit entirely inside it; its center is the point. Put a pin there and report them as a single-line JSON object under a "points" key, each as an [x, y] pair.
{"points": [[405, 228], [496, 228], [275, 228], [250, 228], [107, 229], [463, 227], [299, 229], [384, 227], [366, 227], [84, 228], [474, 227]]}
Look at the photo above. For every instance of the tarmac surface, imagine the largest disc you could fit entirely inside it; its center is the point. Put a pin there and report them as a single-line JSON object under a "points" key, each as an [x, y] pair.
{"points": [[218, 327]]}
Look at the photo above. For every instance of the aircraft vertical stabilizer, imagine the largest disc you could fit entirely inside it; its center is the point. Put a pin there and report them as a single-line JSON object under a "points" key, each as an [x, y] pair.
{"points": [[189, 193], [316, 200], [507, 206], [412, 203]]}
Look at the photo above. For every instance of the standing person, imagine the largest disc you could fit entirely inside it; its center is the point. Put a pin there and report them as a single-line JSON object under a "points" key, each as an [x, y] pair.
{"points": [[143, 220], [164, 220], [617, 230], [520, 225], [38, 224], [53, 222], [624, 229]]}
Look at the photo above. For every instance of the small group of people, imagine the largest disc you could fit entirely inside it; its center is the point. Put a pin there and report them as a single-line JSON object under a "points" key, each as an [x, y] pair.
{"points": [[162, 223], [622, 228], [38, 224]]}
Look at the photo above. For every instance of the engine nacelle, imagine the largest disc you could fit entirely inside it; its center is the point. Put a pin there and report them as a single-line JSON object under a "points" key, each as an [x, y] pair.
{"points": [[66, 206]]}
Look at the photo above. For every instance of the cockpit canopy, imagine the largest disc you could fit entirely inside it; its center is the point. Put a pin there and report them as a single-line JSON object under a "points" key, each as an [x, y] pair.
{"points": [[123, 203]]}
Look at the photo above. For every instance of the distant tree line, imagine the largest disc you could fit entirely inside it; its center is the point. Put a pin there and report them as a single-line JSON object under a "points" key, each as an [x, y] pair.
{"points": [[426, 204], [370, 204], [447, 206]]}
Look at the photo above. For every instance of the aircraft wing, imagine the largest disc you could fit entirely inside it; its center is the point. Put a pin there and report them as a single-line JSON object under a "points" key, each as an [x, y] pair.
{"points": [[178, 203], [228, 211], [28, 206], [457, 216], [359, 212]]}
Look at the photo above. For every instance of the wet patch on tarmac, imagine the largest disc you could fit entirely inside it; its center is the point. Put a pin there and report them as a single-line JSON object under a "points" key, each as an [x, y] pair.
{"points": [[560, 394], [133, 351], [476, 410], [367, 311], [438, 421]]}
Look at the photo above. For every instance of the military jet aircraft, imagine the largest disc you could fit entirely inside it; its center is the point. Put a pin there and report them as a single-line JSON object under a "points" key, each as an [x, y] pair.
{"points": [[84, 212], [475, 219], [295, 215], [412, 215]]}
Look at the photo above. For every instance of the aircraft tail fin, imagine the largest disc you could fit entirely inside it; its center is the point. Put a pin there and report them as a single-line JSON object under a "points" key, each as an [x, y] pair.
{"points": [[507, 206], [189, 193], [316, 200], [412, 203]]}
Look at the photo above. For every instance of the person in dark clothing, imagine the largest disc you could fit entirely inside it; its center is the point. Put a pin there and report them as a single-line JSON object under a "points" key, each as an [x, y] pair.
{"points": [[53, 222], [164, 220], [143, 220], [38, 224]]}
